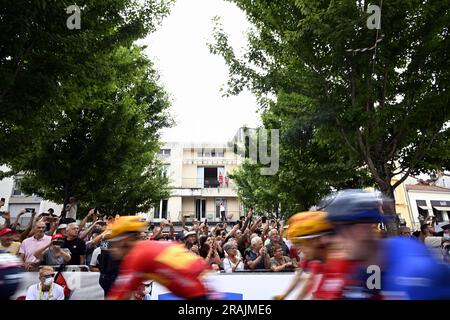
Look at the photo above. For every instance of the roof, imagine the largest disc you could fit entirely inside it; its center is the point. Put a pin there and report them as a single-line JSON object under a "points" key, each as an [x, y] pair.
{"points": [[422, 187]]}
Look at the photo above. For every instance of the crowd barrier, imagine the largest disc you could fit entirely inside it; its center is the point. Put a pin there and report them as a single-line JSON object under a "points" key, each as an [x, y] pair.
{"points": [[246, 285]]}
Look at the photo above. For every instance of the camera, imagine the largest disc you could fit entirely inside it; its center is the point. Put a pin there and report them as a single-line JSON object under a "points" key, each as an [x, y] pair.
{"points": [[58, 243], [32, 210], [264, 219]]}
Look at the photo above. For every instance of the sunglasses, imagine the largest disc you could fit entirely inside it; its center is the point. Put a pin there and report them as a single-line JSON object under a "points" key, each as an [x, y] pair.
{"points": [[49, 276]]}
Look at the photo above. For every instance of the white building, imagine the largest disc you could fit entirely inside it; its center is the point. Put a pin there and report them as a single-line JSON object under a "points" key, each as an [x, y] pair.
{"points": [[198, 176], [426, 200], [16, 200]]}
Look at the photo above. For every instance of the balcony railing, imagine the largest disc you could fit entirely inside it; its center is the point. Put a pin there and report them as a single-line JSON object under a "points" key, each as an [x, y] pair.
{"points": [[212, 216], [205, 183]]}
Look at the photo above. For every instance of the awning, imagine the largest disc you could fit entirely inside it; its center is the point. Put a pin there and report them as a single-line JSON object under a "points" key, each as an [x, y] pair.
{"points": [[442, 208], [423, 207]]}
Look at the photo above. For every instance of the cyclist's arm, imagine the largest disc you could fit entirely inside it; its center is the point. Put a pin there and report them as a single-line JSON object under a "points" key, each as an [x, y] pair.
{"points": [[124, 286], [293, 285], [305, 287]]}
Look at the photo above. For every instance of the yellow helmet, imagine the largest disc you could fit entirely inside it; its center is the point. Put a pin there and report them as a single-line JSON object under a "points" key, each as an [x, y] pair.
{"points": [[123, 225], [308, 224]]}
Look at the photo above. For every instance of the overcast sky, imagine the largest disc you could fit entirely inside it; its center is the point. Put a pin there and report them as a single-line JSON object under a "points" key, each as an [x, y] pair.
{"points": [[193, 77]]}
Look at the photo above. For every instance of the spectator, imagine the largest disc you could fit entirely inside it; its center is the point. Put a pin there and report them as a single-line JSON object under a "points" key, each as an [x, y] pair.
{"points": [[190, 239], [53, 254], [275, 239], [279, 262], [446, 244], [209, 251], [223, 216], [227, 181], [233, 242], [94, 257], [220, 179], [405, 231], [76, 246], [141, 292], [46, 289], [62, 230], [426, 230], [108, 267], [232, 262], [6, 241], [71, 209], [30, 245], [257, 258]]}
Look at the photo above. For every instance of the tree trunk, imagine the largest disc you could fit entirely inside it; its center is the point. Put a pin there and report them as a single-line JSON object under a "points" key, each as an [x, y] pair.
{"points": [[390, 212]]}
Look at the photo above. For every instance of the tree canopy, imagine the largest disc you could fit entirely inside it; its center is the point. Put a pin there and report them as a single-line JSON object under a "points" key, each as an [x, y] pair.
{"points": [[383, 110]]}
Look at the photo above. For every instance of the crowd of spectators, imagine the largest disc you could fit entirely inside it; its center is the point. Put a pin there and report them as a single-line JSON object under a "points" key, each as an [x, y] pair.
{"points": [[249, 244]]}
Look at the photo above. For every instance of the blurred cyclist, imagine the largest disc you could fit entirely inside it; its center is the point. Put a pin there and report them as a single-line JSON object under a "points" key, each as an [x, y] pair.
{"points": [[163, 261], [408, 271], [11, 268], [308, 230]]}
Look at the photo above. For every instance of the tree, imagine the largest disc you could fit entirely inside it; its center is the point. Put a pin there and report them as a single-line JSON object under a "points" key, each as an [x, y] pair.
{"points": [[385, 107], [106, 156], [39, 54]]}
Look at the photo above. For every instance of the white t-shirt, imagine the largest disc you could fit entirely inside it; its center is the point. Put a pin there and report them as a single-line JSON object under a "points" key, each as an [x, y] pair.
{"points": [[228, 265], [57, 292], [95, 255], [222, 208], [71, 211]]}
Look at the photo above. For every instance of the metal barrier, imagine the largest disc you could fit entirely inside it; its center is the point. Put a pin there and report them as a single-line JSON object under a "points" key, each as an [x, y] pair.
{"points": [[71, 268]]}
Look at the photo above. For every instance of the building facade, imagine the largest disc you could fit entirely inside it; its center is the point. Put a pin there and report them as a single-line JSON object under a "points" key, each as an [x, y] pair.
{"points": [[199, 181], [16, 200], [415, 202]]}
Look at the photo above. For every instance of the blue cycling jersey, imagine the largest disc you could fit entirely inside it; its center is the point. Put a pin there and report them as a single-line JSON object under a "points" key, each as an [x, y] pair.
{"points": [[411, 272]]}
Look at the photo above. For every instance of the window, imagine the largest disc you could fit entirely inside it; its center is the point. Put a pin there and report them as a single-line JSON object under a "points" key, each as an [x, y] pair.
{"points": [[210, 153], [200, 209], [164, 152], [161, 210]]}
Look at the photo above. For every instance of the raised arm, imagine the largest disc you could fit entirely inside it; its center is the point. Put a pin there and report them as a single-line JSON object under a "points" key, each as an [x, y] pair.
{"points": [[7, 218], [231, 233], [84, 234], [28, 229], [16, 222], [171, 230], [247, 220], [39, 253], [85, 219]]}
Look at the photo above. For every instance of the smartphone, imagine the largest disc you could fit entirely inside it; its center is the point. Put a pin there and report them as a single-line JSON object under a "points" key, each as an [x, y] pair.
{"points": [[206, 221], [29, 210], [264, 219], [2, 200]]}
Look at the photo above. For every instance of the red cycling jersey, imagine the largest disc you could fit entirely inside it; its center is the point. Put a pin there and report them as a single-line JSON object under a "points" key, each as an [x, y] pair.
{"points": [[165, 262], [315, 269], [335, 272]]}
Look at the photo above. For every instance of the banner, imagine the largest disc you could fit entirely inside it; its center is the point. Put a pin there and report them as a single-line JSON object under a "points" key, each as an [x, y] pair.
{"points": [[231, 286], [239, 286]]}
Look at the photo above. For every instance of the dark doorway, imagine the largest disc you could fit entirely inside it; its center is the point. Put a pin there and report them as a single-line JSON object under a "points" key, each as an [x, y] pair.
{"points": [[211, 180]]}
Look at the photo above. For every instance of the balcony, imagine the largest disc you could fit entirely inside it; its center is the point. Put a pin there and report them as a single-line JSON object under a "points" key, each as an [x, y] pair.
{"points": [[205, 183], [212, 216], [207, 188]]}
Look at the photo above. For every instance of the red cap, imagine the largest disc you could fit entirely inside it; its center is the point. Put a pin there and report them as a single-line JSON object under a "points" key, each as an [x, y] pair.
{"points": [[5, 231], [57, 236]]}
